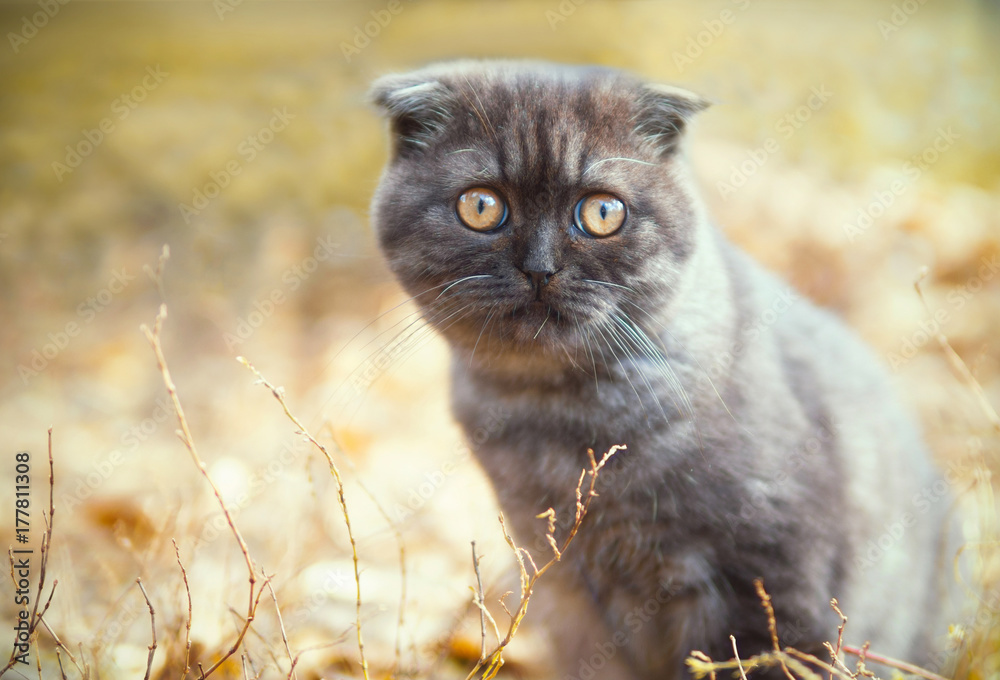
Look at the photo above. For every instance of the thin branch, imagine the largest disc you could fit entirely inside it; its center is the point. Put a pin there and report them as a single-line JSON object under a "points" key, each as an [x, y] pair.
{"points": [[394, 527], [959, 366], [295, 661], [157, 276], [480, 600], [863, 654], [187, 626], [844, 672], [281, 623], [772, 623], [835, 653], [186, 438], [495, 659], [701, 665], [38, 658], [240, 636], [60, 645], [736, 655], [279, 394], [152, 625]]}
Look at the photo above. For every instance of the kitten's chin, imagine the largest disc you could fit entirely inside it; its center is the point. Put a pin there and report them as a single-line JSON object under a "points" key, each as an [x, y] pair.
{"points": [[532, 336]]}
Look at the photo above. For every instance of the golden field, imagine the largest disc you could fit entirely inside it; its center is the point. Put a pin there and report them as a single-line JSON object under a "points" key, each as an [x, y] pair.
{"points": [[850, 146]]}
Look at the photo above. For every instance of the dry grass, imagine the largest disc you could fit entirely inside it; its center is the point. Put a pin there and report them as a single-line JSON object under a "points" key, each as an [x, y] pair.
{"points": [[127, 503]]}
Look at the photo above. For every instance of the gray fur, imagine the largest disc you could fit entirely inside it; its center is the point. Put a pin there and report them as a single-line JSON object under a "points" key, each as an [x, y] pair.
{"points": [[763, 439]]}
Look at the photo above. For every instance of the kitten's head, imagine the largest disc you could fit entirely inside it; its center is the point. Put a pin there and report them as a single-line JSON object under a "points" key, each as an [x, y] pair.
{"points": [[525, 204]]}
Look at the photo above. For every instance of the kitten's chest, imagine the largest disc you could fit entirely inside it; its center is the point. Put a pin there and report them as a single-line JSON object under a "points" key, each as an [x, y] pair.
{"points": [[534, 443]]}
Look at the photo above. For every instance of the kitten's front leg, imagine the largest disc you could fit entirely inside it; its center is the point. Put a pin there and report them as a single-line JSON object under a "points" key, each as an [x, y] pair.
{"points": [[584, 646]]}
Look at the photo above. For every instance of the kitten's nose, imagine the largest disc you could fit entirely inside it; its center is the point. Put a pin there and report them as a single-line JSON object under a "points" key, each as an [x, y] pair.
{"points": [[538, 278]]}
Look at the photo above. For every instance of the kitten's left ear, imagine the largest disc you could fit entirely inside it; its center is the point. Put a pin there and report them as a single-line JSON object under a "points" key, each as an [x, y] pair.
{"points": [[417, 107], [664, 111]]}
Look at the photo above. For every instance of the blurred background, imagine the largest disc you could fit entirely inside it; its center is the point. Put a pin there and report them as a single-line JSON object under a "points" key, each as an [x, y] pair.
{"points": [[850, 145]]}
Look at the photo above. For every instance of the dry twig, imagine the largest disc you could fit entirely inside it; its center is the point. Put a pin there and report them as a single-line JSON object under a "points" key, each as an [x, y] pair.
{"points": [[736, 656], [772, 623], [279, 394], [152, 625], [835, 652], [491, 666], [396, 533], [281, 624], [479, 599], [184, 433], [957, 364], [187, 625], [863, 653]]}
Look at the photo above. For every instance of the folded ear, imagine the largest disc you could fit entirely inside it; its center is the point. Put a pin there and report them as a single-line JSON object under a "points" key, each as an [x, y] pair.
{"points": [[664, 111], [417, 108]]}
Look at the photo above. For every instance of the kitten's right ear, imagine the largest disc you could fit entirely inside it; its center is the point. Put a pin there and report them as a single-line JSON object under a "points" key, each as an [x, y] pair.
{"points": [[417, 108], [664, 111]]}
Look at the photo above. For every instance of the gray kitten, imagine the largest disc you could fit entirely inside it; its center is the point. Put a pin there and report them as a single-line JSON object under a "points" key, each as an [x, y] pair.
{"points": [[544, 219]]}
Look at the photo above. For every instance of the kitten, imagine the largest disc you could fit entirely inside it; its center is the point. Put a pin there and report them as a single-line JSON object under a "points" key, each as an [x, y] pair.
{"points": [[544, 219]]}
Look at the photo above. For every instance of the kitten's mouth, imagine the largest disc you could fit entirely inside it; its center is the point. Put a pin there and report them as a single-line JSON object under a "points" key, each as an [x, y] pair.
{"points": [[537, 322]]}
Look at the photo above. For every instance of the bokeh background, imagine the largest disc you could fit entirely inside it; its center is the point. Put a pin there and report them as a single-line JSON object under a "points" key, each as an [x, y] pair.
{"points": [[851, 145]]}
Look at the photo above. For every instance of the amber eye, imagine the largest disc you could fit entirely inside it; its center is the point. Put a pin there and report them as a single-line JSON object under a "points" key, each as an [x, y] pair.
{"points": [[600, 214], [481, 209]]}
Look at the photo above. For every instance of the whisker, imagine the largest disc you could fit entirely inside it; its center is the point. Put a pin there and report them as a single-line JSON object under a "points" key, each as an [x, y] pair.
{"points": [[642, 374], [404, 349], [489, 316], [660, 359], [586, 344], [428, 332], [388, 311], [622, 366], [667, 371], [700, 366], [463, 280], [397, 340], [545, 321], [608, 283], [617, 158]]}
